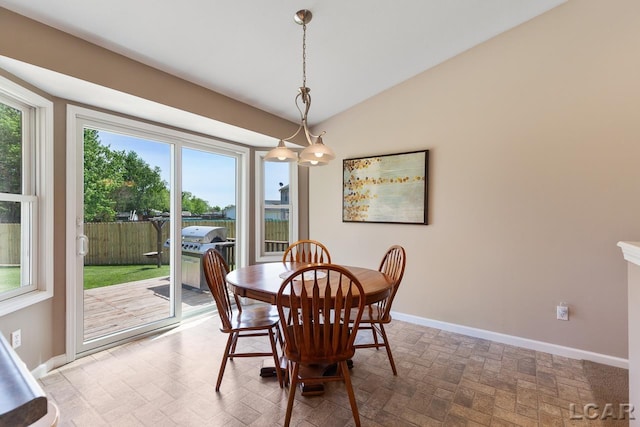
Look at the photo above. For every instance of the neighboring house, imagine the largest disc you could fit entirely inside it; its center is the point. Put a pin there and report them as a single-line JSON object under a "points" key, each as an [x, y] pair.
{"points": [[284, 194], [127, 216], [273, 211], [230, 212]]}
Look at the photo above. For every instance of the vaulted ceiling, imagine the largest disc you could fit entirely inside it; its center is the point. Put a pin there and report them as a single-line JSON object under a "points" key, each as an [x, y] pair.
{"points": [[251, 50]]}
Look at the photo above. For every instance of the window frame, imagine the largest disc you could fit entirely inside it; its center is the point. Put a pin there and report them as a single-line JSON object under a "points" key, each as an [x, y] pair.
{"points": [[38, 180], [261, 255]]}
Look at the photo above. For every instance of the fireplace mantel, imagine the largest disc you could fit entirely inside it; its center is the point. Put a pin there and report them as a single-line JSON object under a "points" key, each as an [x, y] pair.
{"points": [[631, 251]]}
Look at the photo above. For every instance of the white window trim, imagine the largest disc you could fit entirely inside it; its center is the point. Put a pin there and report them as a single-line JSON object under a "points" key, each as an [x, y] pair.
{"points": [[260, 208], [43, 224]]}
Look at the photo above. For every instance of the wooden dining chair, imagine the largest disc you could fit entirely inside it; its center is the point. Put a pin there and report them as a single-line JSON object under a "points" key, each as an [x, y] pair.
{"points": [[376, 315], [239, 323], [310, 338], [310, 251]]}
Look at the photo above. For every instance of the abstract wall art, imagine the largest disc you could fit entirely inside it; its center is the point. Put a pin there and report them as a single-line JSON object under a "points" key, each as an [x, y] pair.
{"points": [[390, 188]]}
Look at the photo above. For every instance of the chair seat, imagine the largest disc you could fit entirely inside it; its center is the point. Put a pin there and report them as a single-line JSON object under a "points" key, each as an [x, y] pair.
{"points": [[253, 318], [372, 313]]}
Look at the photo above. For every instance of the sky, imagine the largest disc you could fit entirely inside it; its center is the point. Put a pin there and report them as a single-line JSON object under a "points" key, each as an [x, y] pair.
{"points": [[208, 176]]}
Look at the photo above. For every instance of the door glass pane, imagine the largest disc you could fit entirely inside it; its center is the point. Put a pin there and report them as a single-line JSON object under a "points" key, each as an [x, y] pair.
{"points": [[126, 220], [276, 206], [208, 220]]}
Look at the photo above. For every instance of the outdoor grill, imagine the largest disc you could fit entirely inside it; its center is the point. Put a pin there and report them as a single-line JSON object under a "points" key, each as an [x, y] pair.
{"points": [[196, 240]]}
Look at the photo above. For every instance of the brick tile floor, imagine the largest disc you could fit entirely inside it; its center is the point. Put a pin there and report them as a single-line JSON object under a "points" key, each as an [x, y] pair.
{"points": [[444, 379]]}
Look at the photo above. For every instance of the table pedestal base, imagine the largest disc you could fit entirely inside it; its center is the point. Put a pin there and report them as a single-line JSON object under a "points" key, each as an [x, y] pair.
{"points": [[306, 371]]}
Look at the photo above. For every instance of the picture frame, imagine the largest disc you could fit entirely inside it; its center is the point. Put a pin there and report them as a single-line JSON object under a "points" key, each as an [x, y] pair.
{"points": [[390, 188]]}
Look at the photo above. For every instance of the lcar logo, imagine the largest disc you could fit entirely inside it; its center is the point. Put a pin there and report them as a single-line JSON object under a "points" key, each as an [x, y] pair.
{"points": [[591, 411]]}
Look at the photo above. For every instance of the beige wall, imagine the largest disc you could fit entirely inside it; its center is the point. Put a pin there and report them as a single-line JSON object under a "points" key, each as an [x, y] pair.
{"points": [[43, 325], [534, 139]]}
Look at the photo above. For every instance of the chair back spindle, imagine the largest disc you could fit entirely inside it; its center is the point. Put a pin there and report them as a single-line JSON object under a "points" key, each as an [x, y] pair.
{"points": [[215, 271], [309, 251], [393, 264]]}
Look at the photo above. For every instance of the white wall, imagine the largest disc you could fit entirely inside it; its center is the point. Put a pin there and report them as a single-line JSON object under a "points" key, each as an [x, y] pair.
{"points": [[534, 140]]}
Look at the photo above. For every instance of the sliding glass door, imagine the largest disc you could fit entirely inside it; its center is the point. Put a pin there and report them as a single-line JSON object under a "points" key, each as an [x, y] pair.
{"points": [[138, 189]]}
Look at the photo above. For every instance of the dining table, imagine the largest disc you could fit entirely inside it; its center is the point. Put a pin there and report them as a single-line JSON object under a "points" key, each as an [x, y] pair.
{"points": [[262, 282]]}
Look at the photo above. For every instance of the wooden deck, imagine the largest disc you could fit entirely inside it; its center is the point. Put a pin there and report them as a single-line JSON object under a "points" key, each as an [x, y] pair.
{"points": [[118, 307]]}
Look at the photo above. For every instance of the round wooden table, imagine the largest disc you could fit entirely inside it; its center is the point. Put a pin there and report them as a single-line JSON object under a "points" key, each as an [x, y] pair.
{"points": [[262, 281]]}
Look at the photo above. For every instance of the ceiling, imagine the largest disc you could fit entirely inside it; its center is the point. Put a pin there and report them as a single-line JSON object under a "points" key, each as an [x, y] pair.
{"points": [[251, 50]]}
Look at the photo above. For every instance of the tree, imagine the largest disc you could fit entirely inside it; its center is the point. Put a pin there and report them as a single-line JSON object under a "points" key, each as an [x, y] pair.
{"points": [[102, 176], [193, 204], [142, 188], [119, 181]]}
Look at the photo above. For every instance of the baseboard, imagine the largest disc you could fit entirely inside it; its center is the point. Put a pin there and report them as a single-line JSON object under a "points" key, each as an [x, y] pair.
{"points": [[49, 365], [559, 350]]}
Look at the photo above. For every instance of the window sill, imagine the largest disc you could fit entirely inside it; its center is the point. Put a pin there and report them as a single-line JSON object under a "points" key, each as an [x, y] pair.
{"points": [[22, 301], [270, 258]]}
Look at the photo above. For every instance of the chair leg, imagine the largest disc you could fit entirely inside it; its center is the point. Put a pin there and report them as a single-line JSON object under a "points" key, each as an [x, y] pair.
{"points": [[375, 336], [233, 346], [286, 374], [352, 396], [280, 339], [388, 347], [293, 384], [272, 339], [230, 340]]}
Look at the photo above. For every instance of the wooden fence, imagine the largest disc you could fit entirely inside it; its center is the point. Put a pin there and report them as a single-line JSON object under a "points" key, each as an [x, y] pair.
{"points": [[9, 244], [122, 243]]}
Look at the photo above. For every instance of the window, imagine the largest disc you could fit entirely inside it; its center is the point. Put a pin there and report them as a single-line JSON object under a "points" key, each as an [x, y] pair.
{"points": [[276, 207], [26, 129]]}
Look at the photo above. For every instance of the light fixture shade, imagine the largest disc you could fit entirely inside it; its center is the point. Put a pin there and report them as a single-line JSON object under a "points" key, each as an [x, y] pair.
{"points": [[313, 162], [281, 154], [317, 152]]}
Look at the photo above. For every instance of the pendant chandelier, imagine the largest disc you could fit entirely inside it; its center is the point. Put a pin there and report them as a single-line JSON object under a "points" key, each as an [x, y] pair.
{"points": [[316, 153]]}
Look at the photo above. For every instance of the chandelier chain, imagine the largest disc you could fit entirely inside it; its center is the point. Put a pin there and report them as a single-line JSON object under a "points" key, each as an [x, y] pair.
{"points": [[304, 55]]}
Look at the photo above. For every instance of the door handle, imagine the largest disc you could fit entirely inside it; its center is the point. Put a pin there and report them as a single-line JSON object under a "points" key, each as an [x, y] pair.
{"points": [[83, 245]]}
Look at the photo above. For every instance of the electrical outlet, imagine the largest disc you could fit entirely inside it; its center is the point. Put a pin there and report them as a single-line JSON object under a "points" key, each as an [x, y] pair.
{"points": [[562, 311], [16, 338]]}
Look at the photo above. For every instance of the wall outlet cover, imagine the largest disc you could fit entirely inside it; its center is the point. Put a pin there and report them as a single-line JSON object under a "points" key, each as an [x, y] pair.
{"points": [[562, 312]]}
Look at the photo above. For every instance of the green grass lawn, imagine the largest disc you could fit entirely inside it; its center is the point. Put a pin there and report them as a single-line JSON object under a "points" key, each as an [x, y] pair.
{"points": [[95, 276], [9, 278]]}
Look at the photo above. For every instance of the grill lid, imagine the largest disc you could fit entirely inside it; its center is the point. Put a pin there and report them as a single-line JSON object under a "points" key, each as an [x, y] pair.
{"points": [[204, 234]]}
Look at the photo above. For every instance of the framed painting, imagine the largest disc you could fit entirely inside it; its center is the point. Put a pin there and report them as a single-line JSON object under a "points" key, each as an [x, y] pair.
{"points": [[391, 188]]}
